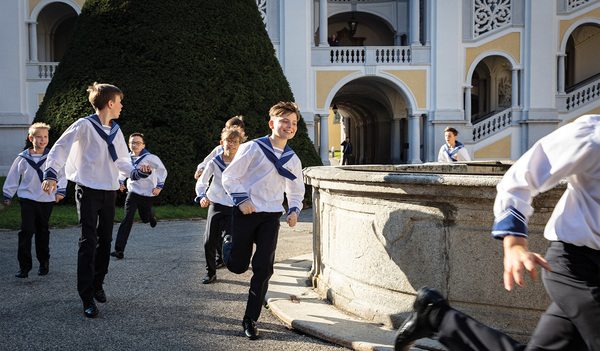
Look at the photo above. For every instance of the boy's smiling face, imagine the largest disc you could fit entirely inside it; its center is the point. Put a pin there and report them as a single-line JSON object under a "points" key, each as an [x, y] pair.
{"points": [[230, 146], [284, 127], [39, 139], [136, 144]]}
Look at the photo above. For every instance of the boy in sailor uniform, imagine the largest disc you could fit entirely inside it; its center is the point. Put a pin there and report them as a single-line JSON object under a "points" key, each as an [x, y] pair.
{"points": [[141, 192], [257, 178], [453, 150], [218, 221], [237, 121], [92, 152], [571, 267], [36, 206]]}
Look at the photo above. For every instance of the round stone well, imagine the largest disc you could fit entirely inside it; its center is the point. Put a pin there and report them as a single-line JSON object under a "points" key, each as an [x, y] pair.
{"points": [[383, 231]]}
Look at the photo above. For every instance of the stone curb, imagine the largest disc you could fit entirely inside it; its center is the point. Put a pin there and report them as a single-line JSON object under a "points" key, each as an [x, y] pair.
{"points": [[299, 306]]}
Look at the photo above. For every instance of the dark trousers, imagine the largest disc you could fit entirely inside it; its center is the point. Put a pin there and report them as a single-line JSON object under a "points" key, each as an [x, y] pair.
{"points": [[262, 229], [570, 323], [34, 220], [133, 202], [96, 209], [346, 159], [218, 224]]}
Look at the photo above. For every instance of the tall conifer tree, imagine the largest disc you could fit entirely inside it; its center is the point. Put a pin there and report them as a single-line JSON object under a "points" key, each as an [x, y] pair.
{"points": [[185, 67]]}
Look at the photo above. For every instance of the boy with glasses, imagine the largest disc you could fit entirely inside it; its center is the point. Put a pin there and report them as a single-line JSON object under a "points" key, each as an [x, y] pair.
{"points": [[218, 221], [141, 192]]}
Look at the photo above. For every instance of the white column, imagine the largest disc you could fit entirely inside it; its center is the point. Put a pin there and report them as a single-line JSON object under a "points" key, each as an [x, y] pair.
{"points": [[561, 73], [415, 24], [323, 23], [414, 139], [396, 140], [515, 89], [324, 137], [33, 53], [468, 103]]}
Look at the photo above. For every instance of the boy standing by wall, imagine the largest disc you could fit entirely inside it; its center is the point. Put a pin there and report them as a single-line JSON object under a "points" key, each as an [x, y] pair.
{"points": [[218, 222], [92, 151], [36, 206], [141, 192], [262, 171]]}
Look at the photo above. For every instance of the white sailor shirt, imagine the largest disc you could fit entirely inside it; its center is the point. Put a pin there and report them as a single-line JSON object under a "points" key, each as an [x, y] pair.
{"points": [[251, 175], [217, 150], [571, 152], [216, 193], [457, 153], [31, 185], [144, 186], [86, 159]]}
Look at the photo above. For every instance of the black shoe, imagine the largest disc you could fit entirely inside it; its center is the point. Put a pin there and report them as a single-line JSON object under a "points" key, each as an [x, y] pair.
{"points": [[44, 268], [22, 273], [219, 264], [209, 279], [118, 254], [90, 310], [153, 218], [250, 328], [422, 323], [100, 296]]}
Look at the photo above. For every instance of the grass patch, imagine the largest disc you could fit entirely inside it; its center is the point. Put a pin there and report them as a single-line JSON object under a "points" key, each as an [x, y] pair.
{"points": [[66, 215]]}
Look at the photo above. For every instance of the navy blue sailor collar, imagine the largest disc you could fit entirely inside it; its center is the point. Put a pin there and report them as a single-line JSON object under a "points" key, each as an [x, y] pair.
{"points": [[288, 153]]}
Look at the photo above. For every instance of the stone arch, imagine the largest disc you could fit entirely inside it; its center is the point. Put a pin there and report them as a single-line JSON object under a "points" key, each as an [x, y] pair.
{"points": [[40, 6]]}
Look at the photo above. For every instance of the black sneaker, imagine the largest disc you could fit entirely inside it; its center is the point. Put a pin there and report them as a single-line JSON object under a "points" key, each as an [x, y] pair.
{"points": [[22, 273], [44, 268], [100, 296], [118, 254], [153, 218], [90, 310]]}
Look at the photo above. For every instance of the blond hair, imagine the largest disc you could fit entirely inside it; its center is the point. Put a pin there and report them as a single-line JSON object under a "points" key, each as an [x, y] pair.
{"points": [[39, 125], [234, 132]]}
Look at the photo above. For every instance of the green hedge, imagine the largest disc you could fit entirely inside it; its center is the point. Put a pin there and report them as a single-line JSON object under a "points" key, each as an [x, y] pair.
{"points": [[185, 67]]}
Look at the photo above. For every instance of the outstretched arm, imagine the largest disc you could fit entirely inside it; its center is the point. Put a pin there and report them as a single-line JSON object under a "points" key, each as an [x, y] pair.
{"points": [[518, 257]]}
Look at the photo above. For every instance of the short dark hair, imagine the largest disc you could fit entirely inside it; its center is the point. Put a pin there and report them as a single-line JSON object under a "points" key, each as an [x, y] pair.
{"points": [[283, 109], [101, 94], [452, 130], [138, 135], [233, 132], [237, 121]]}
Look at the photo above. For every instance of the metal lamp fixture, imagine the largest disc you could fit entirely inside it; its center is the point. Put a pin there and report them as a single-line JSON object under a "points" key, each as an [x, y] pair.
{"points": [[352, 24]]}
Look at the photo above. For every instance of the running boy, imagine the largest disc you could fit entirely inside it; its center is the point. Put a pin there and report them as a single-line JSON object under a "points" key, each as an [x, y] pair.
{"points": [[141, 192], [36, 206], [237, 121], [262, 171], [92, 151], [218, 221]]}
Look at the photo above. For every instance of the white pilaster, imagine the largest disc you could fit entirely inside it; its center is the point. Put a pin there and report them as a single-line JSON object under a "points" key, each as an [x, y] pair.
{"points": [[515, 89], [33, 52], [414, 139], [323, 23], [324, 137], [415, 23], [561, 73]]}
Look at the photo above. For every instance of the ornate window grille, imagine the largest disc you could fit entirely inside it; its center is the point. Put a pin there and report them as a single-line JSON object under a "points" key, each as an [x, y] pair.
{"points": [[262, 8], [490, 15], [572, 4]]}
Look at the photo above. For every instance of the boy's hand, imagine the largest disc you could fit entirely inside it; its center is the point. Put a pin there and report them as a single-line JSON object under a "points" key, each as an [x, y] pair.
{"points": [[516, 257], [204, 202], [122, 187], [247, 207], [146, 169], [59, 197], [291, 219], [198, 173], [156, 191], [48, 186], [7, 203]]}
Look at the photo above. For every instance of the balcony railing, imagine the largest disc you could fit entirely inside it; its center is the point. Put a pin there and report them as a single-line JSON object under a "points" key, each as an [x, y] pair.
{"points": [[492, 124], [362, 55], [41, 70], [583, 95]]}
